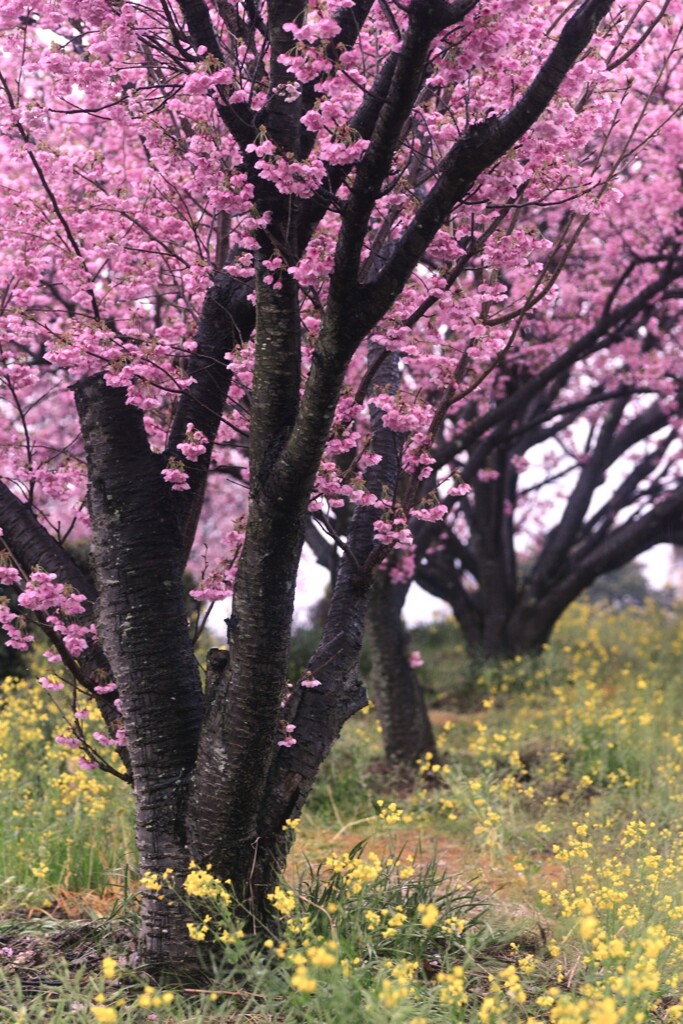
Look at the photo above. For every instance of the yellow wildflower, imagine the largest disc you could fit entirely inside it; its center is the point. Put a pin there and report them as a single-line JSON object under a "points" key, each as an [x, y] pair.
{"points": [[109, 968], [429, 914], [283, 900], [104, 1014]]}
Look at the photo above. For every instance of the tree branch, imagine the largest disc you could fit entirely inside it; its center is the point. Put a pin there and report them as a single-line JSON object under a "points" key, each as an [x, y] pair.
{"points": [[480, 147], [30, 545], [227, 320]]}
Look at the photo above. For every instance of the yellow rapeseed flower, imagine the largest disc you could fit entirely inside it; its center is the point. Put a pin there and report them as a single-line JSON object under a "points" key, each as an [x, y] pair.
{"points": [[104, 1014], [429, 914], [588, 926], [605, 1012], [322, 956], [283, 900], [302, 981], [109, 968]]}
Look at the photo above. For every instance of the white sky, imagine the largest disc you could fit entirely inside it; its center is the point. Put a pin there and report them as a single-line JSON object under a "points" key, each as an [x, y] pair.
{"points": [[420, 607]]}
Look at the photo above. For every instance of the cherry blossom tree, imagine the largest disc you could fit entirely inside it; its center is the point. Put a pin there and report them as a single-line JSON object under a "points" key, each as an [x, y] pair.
{"points": [[570, 453], [223, 225], [593, 355], [580, 478]]}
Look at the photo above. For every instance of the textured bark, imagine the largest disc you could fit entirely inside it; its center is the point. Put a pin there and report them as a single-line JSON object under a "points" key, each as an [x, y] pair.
{"points": [[242, 722], [317, 714], [406, 730], [142, 620]]}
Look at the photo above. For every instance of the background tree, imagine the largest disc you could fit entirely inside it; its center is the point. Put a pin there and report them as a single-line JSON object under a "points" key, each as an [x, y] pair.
{"points": [[571, 450], [577, 423], [620, 494], [178, 177]]}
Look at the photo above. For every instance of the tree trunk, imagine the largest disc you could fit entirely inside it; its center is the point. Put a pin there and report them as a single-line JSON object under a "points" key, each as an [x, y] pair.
{"points": [[142, 622], [406, 729], [521, 633]]}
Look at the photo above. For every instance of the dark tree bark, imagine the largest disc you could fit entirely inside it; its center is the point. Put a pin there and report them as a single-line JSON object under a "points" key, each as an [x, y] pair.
{"points": [[137, 552], [406, 730]]}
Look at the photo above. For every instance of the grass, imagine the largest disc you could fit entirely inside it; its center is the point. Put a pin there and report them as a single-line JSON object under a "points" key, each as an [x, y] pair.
{"points": [[533, 873]]}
